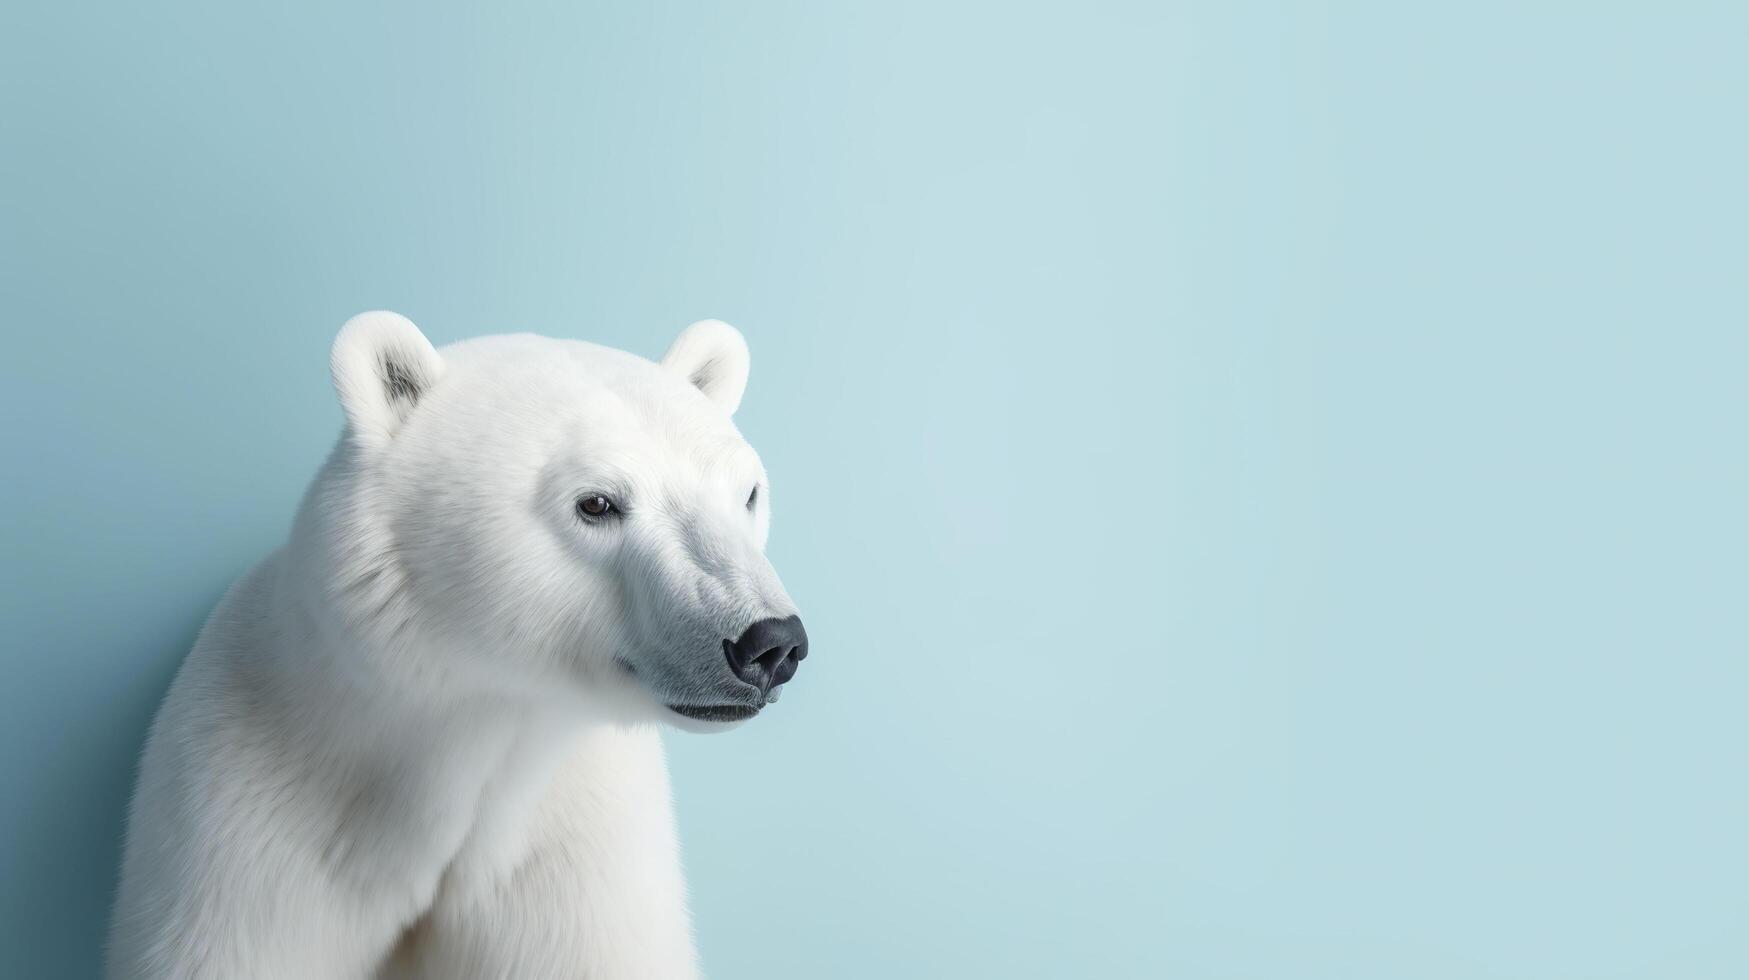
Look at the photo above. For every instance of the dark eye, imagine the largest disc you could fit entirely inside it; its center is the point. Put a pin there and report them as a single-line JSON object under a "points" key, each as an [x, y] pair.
{"points": [[753, 498], [595, 505]]}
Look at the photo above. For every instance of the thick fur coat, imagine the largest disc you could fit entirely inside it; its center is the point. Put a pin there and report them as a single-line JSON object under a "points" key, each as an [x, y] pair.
{"points": [[421, 739]]}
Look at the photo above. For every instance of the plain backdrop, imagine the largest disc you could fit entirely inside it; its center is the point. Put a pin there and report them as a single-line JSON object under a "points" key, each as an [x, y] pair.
{"points": [[1268, 484]]}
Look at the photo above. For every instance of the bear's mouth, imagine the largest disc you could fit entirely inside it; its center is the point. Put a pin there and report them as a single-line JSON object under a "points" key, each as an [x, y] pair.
{"points": [[715, 712]]}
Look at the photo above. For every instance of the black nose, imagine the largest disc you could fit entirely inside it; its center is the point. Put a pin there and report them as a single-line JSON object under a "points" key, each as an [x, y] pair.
{"points": [[767, 654]]}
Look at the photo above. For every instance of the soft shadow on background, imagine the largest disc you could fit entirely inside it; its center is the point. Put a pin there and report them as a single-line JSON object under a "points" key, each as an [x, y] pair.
{"points": [[1267, 485]]}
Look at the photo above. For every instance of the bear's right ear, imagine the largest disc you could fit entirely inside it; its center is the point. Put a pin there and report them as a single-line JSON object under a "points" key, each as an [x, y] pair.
{"points": [[382, 366]]}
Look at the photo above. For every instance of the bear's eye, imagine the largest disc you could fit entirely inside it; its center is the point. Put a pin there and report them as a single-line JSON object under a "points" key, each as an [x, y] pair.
{"points": [[753, 497], [595, 505]]}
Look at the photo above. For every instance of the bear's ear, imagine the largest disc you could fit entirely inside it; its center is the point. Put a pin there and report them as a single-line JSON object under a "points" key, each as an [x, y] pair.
{"points": [[382, 366], [713, 356]]}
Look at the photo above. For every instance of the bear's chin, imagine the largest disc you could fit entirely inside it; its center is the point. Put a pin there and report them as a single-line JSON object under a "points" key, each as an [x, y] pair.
{"points": [[711, 719]]}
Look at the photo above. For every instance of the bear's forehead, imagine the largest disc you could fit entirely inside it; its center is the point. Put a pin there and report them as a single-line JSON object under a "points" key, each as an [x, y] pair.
{"points": [[595, 398], [570, 371]]}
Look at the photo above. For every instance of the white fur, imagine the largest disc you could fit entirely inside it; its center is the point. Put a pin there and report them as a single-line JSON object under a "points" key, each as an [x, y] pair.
{"points": [[420, 739], [713, 356]]}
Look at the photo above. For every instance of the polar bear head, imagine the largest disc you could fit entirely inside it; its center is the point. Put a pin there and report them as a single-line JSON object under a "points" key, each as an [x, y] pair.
{"points": [[556, 516]]}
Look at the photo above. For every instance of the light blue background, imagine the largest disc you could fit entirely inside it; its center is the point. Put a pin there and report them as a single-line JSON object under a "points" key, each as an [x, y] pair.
{"points": [[1268, 484]]}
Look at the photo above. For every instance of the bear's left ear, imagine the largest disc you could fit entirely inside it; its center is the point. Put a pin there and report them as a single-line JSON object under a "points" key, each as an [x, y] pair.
{"points": [[713, 356], [382, 366]]}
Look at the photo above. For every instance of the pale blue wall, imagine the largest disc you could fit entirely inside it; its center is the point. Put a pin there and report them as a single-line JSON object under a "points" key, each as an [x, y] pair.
{"points": [[1269, 488]]}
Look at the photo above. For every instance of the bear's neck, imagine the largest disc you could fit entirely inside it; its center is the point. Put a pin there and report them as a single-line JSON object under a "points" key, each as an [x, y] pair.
{"points": [[450, 771]]}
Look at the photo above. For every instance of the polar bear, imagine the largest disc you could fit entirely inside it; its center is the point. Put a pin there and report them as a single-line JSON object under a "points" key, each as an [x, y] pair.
{"points": [[420, 740]]}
